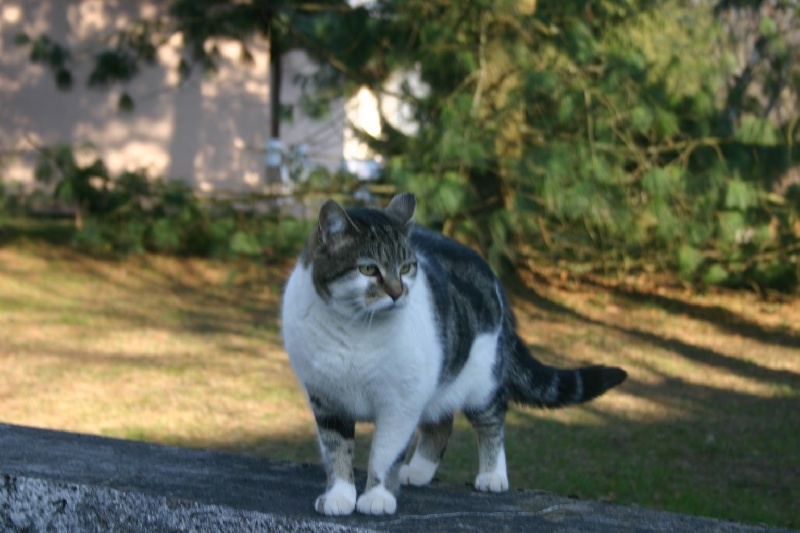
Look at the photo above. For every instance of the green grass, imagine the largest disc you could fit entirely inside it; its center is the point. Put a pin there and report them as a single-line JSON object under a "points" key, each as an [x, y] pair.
{"points": [[189, 353]]}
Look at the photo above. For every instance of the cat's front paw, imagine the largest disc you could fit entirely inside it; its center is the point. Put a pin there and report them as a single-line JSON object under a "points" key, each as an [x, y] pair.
{"points": [[377, 501], [491, 482], [339, 500]]}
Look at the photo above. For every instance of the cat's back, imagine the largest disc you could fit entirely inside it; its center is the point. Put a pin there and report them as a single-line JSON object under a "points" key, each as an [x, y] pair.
{"points": [[447, 251], [461, 282]]}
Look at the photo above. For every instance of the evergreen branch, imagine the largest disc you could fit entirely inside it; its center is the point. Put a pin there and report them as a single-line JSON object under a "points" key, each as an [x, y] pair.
{"points": [[476, 98]]}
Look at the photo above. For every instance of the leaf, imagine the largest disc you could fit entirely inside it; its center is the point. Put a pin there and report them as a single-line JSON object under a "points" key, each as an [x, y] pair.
{"points": [[580, 42], [661, 182], [566, 109], [166, 235], [753, 130], [112, 66], [44, 172], [666, 122], [641, 119], [245, 244], [63, 79], [184, 69], [715, 275], [767, 27], [65, 190], [667, 226], [689, 260], [125, 103], [21, 39], [740, 195], [702, 105], [732, 223]]}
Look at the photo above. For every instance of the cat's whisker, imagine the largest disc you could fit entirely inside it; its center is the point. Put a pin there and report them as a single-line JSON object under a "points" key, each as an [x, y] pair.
{"points": [[360, 314]]}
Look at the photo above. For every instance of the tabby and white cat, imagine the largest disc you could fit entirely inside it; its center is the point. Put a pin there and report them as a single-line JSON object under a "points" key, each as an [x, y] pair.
{"points": [[389, 323]]}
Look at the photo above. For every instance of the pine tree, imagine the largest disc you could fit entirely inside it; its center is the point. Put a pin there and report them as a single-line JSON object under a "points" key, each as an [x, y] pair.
{"points": [[610, 135]]}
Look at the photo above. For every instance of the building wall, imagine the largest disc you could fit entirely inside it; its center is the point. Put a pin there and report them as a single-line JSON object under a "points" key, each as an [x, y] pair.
{"points": [[209, 132]]}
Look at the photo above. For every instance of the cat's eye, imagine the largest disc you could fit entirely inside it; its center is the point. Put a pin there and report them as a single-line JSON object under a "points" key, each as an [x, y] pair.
{"points": [[405, 269], [368, 270]]}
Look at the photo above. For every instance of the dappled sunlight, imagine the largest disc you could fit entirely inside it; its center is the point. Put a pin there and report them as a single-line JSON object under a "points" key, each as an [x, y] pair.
{"points": [[179, 128], [135, 353], [188, 352], [11, 13], [526, 417], [89, 17]]}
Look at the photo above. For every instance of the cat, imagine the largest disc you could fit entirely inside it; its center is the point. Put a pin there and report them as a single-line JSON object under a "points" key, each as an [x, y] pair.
{"points": [[387, 322]]}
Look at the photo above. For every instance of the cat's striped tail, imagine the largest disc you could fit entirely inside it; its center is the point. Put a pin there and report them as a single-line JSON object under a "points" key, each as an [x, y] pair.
{"points": [[533, 383]]}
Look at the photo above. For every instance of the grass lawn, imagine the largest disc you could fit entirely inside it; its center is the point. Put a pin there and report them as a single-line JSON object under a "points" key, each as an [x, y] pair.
{"points": [[189, 352]]}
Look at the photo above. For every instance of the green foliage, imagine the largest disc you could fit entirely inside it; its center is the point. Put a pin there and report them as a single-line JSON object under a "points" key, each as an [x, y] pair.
{"points": [[45, 51], [715, 275], [133, 213], [689, 261], [113, 66], [86, 186], [754, 130], [610, 136], [741, 195], [603, 141]]}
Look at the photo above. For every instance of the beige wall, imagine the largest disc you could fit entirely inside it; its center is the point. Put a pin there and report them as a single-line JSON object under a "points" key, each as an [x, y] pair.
{"points": [[208, 132]]}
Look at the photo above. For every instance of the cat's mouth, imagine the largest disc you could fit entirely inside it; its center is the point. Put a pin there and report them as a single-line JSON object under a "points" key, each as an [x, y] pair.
{"points": [[388, 305]]}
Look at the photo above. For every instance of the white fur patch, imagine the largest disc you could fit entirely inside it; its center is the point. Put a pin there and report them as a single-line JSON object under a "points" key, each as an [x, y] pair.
{"points": [[491, 482], [418, 472], [470, 388], [386, 364], [496, 480], [339, 500], [377, 501]]}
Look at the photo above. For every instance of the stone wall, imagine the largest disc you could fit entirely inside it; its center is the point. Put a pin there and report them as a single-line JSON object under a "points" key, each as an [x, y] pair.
{"points": [[57, 481]]}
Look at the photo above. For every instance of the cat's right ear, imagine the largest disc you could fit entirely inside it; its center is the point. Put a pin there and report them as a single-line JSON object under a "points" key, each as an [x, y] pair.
{"points": [[334, 226], [402, 207]]}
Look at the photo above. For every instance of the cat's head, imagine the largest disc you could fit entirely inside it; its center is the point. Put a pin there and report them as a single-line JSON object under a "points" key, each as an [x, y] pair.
{"points": [[362, 259]]}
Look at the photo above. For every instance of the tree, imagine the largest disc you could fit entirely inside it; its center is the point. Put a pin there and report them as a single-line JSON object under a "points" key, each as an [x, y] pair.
{"points": [[201, 23], [612, 135], [594, 133]]}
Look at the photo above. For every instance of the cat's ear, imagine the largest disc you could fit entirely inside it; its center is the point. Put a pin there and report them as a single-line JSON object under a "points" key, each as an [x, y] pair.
{"points": [[402, 207], [334, 226]]}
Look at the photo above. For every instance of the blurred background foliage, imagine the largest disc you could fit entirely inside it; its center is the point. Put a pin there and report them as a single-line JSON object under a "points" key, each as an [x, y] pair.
{"points": [[619, 137]]}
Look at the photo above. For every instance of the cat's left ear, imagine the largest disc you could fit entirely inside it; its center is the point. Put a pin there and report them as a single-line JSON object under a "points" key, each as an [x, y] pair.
{"points": [[402, 208], [334, 226]]}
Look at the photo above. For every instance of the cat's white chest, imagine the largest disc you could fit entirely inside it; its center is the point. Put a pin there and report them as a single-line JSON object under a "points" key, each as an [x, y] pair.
{"points": [[365, 366]]}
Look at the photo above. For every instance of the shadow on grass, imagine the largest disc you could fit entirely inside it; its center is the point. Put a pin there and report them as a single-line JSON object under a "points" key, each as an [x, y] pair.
{"points": [[706, 450], [54, 231], [698, 354], [703, 449], [722, 318], [703, 462], [203, 307]]}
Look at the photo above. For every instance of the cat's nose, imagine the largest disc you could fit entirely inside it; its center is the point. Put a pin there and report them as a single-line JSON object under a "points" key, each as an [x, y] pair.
{"points": [[395, 295]]}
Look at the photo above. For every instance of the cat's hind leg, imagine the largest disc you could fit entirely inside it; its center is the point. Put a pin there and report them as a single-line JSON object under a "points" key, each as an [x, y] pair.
{"points": [[428, 454], [489, 424]]}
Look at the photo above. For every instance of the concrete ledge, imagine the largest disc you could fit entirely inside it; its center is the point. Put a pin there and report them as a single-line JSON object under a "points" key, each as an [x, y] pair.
{"points": [[56, 481]]}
